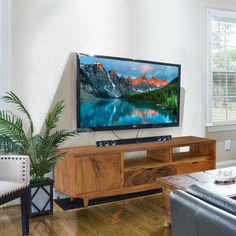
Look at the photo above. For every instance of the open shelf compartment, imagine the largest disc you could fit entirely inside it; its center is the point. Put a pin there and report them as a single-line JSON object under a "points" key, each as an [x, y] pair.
{"points": [[193, 152], [185, 157], [142, 162], [149, 159]]}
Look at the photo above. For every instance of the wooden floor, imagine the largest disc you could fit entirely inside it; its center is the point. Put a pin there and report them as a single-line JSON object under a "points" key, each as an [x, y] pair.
{"points": [[136, 217]]}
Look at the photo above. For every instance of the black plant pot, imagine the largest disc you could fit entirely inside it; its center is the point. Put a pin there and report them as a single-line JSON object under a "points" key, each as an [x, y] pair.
{"points": [[41, 198]]}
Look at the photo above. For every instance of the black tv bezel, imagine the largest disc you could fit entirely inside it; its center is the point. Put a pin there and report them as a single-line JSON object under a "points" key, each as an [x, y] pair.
{"points": [[124, 127]]}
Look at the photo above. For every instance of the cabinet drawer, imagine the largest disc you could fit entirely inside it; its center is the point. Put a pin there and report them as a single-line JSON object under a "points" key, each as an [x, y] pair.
{"points": [[146, 176], [195, 166]]}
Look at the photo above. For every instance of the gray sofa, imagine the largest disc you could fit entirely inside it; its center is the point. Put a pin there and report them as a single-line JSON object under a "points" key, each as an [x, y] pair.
{"points": [[199, 212]]}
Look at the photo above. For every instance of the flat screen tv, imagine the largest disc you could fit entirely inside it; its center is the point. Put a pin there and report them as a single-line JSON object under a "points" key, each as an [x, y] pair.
{"points": [[119, 93]]}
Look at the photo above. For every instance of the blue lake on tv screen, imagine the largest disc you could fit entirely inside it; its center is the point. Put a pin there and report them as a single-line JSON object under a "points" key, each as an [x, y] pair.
{"points": [[118, 112]]}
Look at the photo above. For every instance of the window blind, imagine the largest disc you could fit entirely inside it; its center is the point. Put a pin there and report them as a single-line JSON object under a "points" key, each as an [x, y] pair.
{"points": [[224, 69]]}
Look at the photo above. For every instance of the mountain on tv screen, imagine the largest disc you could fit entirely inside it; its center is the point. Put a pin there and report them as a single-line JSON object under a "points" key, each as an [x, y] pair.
{"points": [[116, 93]]}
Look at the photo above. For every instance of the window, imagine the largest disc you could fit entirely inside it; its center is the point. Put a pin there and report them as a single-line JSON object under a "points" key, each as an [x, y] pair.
{"points": [[221, 67]]}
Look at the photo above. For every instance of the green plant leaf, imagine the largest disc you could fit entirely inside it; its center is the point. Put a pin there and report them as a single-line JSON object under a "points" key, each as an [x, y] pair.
{"points": [[12, 129], [53, 116], [52, 142], [12, 98], [8, 146], [41, 148]]}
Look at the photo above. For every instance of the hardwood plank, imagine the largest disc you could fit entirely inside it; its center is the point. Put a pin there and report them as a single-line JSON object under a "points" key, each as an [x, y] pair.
{"points": [[134, 217]]}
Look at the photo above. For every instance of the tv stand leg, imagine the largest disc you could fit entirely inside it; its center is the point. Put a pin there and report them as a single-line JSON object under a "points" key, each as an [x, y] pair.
{"points": [[86, 202]]}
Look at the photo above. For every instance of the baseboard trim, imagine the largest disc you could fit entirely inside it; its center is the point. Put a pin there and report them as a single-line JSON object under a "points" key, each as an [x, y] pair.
{"points": [[225, 164]]}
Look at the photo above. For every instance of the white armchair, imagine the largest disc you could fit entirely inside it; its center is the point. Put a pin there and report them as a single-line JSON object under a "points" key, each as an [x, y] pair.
{"points": [[14, 179], [14, 168]]}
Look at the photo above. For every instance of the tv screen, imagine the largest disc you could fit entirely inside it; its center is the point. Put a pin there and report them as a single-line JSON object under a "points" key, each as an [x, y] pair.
{"points": [[120, 93]]}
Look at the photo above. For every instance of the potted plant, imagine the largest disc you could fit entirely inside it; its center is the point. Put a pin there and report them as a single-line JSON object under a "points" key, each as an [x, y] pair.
{"points": [[41, 149]]}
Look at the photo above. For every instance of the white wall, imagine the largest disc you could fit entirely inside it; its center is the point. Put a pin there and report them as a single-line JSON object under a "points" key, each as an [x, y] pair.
{"points": [[47, 31]]}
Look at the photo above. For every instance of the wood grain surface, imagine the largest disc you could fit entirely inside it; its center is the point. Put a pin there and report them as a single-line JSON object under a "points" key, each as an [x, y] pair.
{"points": [[89, 172], [136, 217]]}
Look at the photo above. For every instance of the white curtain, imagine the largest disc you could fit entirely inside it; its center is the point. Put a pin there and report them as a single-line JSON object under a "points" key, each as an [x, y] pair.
{"points": [[5, 49]]}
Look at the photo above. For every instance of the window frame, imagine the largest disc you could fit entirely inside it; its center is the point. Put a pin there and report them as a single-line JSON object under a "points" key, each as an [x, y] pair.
{"points": [[225, 125]]}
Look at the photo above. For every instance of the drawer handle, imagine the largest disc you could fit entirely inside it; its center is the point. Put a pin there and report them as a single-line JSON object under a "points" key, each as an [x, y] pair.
{"points": [[149, 168], [195, 162], [161, 170]]}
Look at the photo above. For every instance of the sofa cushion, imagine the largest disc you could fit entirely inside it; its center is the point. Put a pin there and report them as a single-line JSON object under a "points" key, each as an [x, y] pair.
{"points": [[8, 187], [191, 216], [212, 198]]}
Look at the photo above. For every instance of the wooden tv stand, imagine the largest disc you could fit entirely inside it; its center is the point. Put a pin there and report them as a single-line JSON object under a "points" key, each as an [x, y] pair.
{"points": [[90, 172]]}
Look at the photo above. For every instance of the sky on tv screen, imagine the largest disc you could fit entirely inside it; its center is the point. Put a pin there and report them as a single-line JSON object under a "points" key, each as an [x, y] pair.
{"points": [[135, 69]]}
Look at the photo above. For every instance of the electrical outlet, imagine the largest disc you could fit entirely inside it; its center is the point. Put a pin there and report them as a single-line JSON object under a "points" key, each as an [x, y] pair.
{"points": [[227, 145]]}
